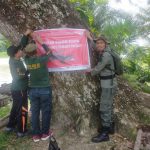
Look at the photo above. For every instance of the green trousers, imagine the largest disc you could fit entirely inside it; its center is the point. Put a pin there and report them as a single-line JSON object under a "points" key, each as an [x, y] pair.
{"points": [[106, 106]]}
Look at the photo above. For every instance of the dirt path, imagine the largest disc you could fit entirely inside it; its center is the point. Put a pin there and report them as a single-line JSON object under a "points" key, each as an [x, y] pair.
{"points": [[71, 141]]}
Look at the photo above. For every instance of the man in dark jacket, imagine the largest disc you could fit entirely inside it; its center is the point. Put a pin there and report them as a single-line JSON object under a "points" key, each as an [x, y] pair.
{"points": [[18, 114]]}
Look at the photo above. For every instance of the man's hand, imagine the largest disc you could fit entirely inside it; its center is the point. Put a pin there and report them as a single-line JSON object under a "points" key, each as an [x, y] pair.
{"points": [[88, 70], [49, 52], [37, 38], [88, 34], [28, 32]]}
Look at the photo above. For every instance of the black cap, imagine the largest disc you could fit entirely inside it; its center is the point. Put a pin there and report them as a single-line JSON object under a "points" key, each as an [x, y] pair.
{"points": [[12, 50]]}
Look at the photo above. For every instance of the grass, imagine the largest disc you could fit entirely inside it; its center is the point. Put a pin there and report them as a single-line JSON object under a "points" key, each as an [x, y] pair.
{"points": [[145, 88], [10, 141], [3, 54], [132, 134], [133, 82], [144, 119], [4, 111], [4, 138]]}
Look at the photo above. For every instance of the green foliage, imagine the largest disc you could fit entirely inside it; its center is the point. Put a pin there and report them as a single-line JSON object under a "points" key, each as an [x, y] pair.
{"points": [[144, 119], [10, 141], [133, 81], [143, 19], [4, 43], [86, 10], [122, 30], [145, 88], [131, 133], [4, 138], [4, 111], [3, 54]]}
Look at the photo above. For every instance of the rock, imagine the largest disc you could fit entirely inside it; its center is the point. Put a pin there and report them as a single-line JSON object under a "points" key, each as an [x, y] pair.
{"points": [[4, 100], [5, 89]]}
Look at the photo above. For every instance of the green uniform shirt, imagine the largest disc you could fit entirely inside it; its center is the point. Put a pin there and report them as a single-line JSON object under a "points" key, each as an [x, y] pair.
{"points": [[18, 73], [37, 67], [101, 68]]}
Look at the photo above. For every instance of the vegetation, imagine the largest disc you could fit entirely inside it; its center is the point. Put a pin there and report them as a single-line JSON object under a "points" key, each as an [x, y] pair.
{"points": [[4, 43], [3, 54], [123, 30], [144, 119], [9, 141], [4, 111]]}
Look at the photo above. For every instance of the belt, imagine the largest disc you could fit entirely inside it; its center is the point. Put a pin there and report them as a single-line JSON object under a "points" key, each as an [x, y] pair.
{"points": [[107, 77]]}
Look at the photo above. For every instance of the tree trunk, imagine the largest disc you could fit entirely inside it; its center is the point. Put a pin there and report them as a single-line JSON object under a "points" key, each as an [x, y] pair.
{"points": [[74, 93]]}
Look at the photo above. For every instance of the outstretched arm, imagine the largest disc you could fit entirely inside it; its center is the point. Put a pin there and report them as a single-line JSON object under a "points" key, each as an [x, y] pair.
{"points": [[89, 35], [24, 39], [40, 41]]}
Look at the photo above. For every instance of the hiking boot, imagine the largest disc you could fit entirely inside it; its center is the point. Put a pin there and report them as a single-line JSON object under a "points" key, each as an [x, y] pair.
{"points": [[36, 138], [103, 136], [111, 129], [46, 136], [100, 138]]}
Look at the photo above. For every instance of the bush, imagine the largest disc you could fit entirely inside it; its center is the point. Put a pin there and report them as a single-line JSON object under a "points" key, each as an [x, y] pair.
{"points": [[3, 54], [134, 82]]}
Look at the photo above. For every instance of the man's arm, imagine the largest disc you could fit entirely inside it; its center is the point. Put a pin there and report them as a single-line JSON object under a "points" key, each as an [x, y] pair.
{"points": [[101, 65], [39, 40], [89, 35], [24, 39]]}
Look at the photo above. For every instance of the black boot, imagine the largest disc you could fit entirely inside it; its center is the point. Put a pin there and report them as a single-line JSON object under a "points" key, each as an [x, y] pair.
{"points": [[103, 136]]}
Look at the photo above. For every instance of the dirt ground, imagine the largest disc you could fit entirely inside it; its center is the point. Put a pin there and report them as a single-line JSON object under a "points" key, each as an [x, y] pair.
{"points": [[71, 141]]}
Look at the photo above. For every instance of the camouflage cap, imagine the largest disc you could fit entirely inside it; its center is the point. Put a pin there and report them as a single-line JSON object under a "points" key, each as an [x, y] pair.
{"points": [[102, 38], [30, 48]]}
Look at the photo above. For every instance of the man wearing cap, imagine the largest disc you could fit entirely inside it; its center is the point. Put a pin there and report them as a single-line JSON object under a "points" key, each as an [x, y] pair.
{"points": [[18, 114], [108, 86], [40, 92]]}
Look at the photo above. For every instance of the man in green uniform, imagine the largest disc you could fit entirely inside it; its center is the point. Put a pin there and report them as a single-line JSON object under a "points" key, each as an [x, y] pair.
{"points": [[18, 114], [40, 92], [108, 85]]}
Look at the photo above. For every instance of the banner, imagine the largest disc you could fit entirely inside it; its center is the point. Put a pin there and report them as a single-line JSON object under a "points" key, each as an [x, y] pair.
{"points": [[69, 47]]}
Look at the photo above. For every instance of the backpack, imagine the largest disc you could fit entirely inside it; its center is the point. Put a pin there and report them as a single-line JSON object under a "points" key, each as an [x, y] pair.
{"points": [[117, 63], [53, 145]]}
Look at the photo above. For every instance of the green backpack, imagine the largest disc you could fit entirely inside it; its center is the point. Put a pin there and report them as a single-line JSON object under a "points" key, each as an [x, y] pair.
{"points": [[117, 63]]}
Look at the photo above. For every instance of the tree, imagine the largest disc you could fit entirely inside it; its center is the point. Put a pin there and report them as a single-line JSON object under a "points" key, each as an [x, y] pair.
{"points": [[123, 29], [73, 93]]}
